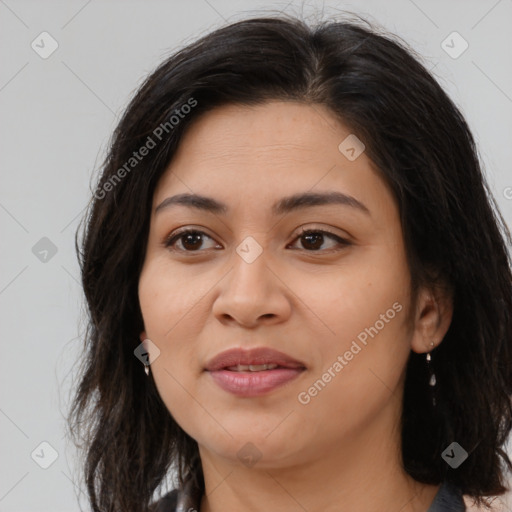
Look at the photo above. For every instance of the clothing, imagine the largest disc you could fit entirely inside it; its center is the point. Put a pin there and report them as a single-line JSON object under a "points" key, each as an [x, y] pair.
{"points": [[447, 499]]}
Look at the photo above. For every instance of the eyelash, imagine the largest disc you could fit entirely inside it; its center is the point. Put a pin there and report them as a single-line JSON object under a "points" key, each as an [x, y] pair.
{"points": [[173, 237]]}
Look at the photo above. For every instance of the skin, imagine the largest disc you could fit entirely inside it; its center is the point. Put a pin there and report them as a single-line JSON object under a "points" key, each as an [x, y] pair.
{"points": [[343, 447]]}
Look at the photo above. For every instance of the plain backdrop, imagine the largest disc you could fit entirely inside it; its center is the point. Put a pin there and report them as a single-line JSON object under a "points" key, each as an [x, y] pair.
{"points": [[57, 115]]}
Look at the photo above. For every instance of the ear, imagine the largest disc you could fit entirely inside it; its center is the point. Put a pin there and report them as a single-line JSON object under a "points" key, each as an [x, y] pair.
{"points": [[433, 316], [143, 336]]}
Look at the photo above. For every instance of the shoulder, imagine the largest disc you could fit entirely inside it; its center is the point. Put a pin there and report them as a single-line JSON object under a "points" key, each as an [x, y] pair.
{"points": [[448, 499], [166, 503]]}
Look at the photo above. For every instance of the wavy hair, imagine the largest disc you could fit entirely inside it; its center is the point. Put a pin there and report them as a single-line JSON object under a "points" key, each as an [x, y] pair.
{"points": [[418, 140]]}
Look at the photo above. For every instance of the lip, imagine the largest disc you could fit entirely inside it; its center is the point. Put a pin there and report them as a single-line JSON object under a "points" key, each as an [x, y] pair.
{"points": [[257, 383], [255, 356]]}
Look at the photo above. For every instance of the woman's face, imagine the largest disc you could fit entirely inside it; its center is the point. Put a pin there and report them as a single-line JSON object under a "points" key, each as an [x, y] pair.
{"points": [[335, 301]]}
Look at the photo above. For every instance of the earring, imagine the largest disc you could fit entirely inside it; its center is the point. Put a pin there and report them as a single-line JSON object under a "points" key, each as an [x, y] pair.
{"points": [[432, 381], [146, 369], [429, 364]]}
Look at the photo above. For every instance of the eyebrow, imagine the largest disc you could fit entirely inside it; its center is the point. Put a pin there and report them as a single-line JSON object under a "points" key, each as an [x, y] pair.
{"points": [[284, 205]]}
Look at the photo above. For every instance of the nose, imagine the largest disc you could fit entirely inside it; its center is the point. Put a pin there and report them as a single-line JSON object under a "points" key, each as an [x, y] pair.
{"points": [[252, 293]]}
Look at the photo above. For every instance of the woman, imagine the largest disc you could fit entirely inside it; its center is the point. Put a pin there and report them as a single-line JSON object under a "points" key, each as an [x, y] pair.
{"points": [[298, 285]]}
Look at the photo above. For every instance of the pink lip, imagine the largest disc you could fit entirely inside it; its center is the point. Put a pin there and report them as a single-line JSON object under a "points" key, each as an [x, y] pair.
{"points": [[253, 383], [263, 355]]}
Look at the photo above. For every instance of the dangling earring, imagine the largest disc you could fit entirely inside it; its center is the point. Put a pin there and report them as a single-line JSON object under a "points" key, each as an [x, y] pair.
{"points": [[432, 381], [146, 369]]}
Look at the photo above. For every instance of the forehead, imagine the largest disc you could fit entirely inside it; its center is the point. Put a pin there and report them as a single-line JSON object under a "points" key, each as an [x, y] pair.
{"points": [[237, 152], [274, 129]]}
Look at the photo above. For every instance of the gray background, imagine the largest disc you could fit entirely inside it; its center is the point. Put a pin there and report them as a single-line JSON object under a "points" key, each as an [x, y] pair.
{"points": [[57, 116]]}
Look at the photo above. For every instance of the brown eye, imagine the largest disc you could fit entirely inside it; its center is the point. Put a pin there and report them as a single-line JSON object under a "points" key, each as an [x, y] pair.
{"points": [[313, 239], [191, 240]]}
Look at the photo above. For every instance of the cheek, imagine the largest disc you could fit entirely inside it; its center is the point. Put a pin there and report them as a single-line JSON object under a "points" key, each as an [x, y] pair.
{"points": [[365, 309], [347, 302], [360, 372], [174, 314], [169, 298]]}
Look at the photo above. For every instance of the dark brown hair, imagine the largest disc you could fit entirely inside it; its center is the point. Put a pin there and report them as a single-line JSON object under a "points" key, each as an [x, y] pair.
{"points": [[418, 139]]}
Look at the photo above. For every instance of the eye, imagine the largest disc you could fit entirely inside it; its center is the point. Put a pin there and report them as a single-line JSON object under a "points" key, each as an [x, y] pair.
{"points": [[191, 240], [313, 239]]}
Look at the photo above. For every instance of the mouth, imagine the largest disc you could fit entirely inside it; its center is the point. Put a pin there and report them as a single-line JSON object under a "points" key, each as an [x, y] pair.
{"points": [[253, 360], [250, 373]]}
